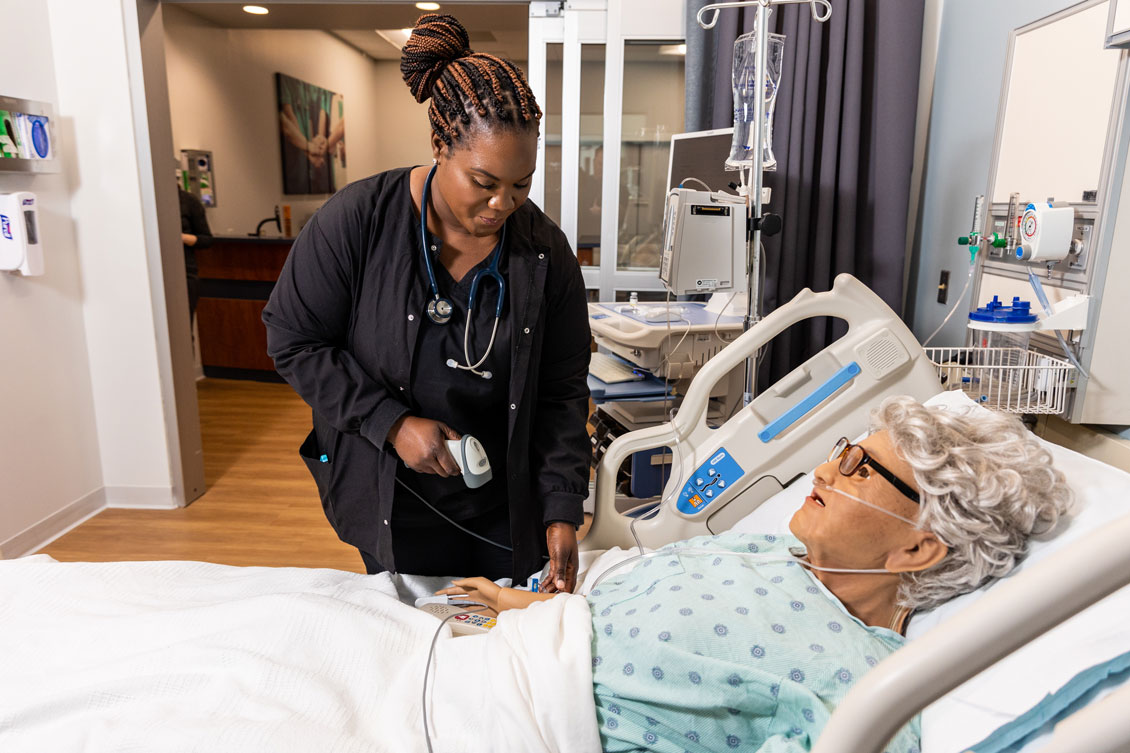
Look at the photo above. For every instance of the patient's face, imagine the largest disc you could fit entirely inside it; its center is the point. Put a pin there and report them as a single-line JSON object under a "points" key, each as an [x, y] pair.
{"points": [[841, 532]]}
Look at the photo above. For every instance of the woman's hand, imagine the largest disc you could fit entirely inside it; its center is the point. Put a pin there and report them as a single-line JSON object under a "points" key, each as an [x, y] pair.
{"points": [[422, 444], [482, 590], [561, 540]]}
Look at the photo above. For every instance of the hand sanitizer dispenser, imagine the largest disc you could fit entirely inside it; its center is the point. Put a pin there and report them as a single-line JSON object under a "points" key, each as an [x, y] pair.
{"points": [[19, 234]]}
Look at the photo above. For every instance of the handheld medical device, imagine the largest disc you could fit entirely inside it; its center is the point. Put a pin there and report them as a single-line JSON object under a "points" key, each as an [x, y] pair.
{"points": [[462, 622], [472, 460], [440, 309], [20, 250]]}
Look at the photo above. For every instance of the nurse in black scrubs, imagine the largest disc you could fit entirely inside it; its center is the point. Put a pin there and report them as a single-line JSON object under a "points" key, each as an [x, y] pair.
{"points": [[425, 303]]}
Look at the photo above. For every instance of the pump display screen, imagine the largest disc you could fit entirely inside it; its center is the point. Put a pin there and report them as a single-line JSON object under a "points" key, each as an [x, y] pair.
{"points": [[29, 226]]}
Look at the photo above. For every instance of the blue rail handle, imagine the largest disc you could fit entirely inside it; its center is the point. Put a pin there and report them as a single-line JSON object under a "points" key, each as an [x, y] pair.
{"points": [[809, 403]]}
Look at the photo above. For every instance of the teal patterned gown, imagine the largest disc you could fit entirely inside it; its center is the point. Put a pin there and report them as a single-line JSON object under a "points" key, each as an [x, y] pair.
{"points": [[700, 653]]}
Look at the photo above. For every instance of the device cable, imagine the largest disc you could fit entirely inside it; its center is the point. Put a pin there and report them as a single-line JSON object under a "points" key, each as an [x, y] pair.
{"points": [[696, 180], [431, 653], [467, 531]]}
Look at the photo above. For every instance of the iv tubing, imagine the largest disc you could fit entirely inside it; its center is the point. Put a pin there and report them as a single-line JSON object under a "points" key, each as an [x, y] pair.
{"points": [[956, 304], [1042, 297]]}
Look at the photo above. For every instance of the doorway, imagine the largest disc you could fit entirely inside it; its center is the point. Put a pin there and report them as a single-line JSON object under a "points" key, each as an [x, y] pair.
{"points": [[206, 81]]}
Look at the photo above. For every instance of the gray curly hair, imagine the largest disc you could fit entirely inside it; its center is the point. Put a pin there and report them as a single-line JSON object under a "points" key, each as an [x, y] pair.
{"points": [[987, 486]]}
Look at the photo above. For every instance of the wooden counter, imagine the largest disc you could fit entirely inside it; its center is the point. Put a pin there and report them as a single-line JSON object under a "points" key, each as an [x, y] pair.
{"points": [[237, 276]]}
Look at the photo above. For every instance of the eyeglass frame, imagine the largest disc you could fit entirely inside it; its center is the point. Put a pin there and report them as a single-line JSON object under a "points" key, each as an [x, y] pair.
{"points": [[840, 453]]}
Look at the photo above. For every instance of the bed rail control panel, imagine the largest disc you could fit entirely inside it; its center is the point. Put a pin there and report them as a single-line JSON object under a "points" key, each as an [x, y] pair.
{"points": [[709, 482]]}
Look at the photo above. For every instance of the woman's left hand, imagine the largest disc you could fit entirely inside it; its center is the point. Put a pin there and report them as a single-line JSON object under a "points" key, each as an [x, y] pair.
{"points": [[561, 540]]}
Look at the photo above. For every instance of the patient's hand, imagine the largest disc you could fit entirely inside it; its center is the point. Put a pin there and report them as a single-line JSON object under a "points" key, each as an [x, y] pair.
{"points": [[486, 591], [482, 590]]}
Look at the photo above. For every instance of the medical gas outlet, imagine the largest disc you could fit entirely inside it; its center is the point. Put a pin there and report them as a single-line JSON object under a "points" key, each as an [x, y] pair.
{"points": [[20, 251], [708, 482]]}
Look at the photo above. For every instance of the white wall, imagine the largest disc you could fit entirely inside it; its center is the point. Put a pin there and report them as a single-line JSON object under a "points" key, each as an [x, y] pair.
{"points": [[94, 94], [222, 96], [82, 421], [49, 461]]}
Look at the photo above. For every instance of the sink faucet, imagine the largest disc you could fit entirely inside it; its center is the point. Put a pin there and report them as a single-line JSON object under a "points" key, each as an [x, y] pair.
{"points": [[275, 219]]}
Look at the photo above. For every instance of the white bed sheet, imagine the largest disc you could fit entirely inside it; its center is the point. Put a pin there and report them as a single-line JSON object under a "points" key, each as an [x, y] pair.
{"points": [[188, 656]]}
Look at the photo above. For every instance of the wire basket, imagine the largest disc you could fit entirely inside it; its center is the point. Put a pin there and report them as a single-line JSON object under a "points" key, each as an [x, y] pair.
{"points": [[1011, 380]]}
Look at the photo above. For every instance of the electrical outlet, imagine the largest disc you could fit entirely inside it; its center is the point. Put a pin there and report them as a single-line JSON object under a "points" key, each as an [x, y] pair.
{"points": [[943, 286]]}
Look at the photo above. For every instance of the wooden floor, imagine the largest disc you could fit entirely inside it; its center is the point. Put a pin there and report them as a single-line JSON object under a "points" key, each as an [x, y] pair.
{"points": [[261, 506]]}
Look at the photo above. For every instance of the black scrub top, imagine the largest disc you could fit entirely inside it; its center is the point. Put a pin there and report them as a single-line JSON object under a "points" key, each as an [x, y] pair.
{"points": [[464, 401], [344, 326]]}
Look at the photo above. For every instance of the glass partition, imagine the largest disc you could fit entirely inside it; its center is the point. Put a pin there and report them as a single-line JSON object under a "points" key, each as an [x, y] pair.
{"points": [[551, 110], [590, 174], [647, 124]]}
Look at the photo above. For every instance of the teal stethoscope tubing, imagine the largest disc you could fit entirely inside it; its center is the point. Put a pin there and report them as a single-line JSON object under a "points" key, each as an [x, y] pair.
{"points": [[491, 271]]}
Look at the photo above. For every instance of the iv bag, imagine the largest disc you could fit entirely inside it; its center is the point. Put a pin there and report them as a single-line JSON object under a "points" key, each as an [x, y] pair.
{"points": [[745, 105]]}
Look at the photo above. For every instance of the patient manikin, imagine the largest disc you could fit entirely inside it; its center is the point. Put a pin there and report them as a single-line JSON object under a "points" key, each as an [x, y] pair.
{"points": [[736, 642]]}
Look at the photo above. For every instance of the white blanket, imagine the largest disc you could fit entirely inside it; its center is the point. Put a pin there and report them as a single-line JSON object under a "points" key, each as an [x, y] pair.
{"points": [[188, 656]]}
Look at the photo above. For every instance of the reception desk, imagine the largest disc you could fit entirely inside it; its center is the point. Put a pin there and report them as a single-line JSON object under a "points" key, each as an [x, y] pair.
{"points": [[236, 279]]}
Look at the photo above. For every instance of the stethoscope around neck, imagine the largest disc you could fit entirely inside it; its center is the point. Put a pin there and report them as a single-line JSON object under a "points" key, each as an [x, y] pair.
{"points": [[440, 309]]}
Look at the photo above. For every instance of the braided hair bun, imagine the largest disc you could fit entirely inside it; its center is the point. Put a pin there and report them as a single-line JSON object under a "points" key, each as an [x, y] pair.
{"points": [[467, 89], [436, 41]]}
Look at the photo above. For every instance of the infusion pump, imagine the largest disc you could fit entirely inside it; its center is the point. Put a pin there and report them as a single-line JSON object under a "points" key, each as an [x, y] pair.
{"points": [[704, 242]]}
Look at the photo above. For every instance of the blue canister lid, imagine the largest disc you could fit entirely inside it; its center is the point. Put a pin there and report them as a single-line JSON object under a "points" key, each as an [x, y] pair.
{"points": [[997, 313]]}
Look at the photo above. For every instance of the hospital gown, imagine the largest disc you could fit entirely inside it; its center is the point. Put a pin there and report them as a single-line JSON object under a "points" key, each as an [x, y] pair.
{"points": [[718, 653]]}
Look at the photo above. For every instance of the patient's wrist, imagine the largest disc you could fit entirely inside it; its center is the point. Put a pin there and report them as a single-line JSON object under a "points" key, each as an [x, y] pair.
{"points": [[512, 598]]}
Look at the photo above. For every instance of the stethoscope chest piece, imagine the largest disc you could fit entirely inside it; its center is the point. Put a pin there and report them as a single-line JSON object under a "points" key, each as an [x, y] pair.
{"points": [[440, 310]]}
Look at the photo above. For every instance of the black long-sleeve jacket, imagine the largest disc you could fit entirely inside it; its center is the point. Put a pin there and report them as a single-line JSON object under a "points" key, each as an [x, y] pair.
{"points": [[342, 324]]}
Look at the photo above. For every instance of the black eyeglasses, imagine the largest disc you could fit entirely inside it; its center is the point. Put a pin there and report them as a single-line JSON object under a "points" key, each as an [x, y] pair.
{"points": [[852, 457]]}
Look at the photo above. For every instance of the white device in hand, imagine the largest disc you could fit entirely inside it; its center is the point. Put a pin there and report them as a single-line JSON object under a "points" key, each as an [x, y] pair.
{"points": [[472, 459]]}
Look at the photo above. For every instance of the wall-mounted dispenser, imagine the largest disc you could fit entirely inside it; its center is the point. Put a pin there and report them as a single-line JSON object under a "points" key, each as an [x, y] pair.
{"points": [[20, 250]]}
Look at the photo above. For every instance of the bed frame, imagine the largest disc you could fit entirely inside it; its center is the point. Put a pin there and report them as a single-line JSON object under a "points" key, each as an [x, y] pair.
{"points": [[1019, 610], [721, 475], [793, 424]]}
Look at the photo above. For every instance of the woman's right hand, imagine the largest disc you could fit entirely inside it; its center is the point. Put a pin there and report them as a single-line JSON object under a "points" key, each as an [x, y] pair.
{"points": [[422, 444]]}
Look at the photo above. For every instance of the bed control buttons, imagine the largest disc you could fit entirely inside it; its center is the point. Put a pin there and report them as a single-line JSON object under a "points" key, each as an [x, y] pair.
{"points": [[708, 483]]}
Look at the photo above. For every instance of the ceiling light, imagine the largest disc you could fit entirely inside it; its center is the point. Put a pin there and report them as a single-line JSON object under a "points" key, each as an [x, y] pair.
{"points": [[428, 6], [396, 37], [257, 10]]}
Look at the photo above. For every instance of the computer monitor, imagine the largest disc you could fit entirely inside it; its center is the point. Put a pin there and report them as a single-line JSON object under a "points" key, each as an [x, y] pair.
{"points": [[702, 155]]}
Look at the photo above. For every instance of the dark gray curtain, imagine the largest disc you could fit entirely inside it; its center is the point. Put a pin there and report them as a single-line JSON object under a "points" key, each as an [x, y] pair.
{"points": [[844, 140]]}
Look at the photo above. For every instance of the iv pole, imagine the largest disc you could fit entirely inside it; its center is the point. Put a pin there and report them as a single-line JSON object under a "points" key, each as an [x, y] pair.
{"points": [[757, 178]]}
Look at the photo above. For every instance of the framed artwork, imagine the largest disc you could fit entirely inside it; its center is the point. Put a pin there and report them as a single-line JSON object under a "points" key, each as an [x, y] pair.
{"points": [[312, 135]]}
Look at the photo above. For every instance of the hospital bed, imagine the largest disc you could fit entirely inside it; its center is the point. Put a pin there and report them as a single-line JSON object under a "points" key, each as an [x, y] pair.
{"points": [[191, 656]]}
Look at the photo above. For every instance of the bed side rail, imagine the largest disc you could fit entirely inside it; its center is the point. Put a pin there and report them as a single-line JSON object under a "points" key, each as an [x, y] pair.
{"points": [[1018, 610]]}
